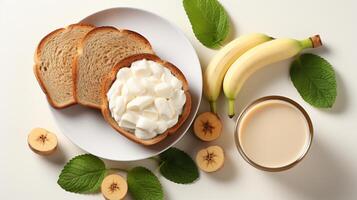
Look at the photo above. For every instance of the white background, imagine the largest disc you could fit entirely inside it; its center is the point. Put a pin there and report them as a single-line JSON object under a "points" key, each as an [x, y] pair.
{"points": [[329, 170]]}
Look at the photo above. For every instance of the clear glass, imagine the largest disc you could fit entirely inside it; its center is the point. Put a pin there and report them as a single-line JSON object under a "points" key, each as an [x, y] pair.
{"points": [[282, 168]]}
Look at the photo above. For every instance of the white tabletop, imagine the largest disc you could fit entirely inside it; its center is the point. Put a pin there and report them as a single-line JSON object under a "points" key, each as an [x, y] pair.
{"points": [[329, 170]]}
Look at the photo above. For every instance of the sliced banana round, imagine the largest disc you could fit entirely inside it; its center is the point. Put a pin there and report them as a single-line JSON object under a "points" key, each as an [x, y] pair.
{"points": [[210, 159], [207, 126], [114, 187], [41, 141]]}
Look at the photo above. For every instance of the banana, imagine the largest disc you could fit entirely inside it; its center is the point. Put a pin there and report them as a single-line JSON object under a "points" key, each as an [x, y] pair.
{"points": [[42, 141], [218, 66], [207, 126], [210, 159], [114, 187], [258, 57]]}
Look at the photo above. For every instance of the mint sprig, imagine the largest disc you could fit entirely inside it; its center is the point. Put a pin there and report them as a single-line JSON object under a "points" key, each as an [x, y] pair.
{"points": [[209, 20], [178, 167], [315, 80], [82, 174], [144, 185]]}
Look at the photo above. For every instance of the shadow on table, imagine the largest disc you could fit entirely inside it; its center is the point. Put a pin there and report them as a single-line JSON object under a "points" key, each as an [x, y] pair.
{"points": [[227, 173], [191, 145], [57, 158], [321, 175]]}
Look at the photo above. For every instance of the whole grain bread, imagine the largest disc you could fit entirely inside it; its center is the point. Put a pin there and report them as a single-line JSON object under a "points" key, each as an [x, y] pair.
{"points": [[112, 77], [100, 50], [53, 63]]}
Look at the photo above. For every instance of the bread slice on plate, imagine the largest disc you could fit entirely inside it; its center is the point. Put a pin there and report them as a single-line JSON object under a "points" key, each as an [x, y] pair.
{"points": [[100, 50], [53, 63], [112, 77]]}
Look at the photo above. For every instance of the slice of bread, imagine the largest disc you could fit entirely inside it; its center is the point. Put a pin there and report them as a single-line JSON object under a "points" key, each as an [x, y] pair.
{"points": [[53, 63], [112, 77], [100, 50]]}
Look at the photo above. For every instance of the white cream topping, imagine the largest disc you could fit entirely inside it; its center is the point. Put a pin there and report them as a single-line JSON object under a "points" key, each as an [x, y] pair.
{"points": [[146, 99]]}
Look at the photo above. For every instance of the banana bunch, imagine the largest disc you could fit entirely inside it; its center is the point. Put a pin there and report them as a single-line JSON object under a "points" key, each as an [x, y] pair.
{"points": [[239, 59], [220, 63]]}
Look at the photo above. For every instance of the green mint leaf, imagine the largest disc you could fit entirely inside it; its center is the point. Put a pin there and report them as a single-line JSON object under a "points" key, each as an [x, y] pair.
{"points": [[82, 174], [144, 185], [315, 80], [178, 167], [209, 20]]}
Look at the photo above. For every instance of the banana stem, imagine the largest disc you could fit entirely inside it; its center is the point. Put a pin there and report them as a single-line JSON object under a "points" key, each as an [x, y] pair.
{"points": [[213, 106], [316, 41], [311, 42], [231, 108], [306, 43]]}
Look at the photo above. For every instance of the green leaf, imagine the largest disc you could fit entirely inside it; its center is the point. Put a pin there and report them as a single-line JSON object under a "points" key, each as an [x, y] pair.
{"points": [[178, 167], [209, 20], [315, 80], [144, 185], [82, 174]]}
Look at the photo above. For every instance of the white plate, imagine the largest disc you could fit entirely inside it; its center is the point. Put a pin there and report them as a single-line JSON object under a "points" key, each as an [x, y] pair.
{"points": [[87, 129]]}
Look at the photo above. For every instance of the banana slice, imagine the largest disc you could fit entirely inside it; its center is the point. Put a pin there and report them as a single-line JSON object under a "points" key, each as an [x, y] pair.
{"points": [[140, 69], [115, 89], [178, 100], [140, 102], [156, 69], [176, 83], [163, 90], [42, 141], [124, 74], [146, 124], [119, 107], [114, 187], [151, 113], [161, 126], [163, 107], [149, 84], [207, 126], [210, 159], [133, 87], [143, 134]]}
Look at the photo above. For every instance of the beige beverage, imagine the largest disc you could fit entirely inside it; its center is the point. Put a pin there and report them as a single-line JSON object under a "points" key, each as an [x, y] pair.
{"points": [[274, 133]]}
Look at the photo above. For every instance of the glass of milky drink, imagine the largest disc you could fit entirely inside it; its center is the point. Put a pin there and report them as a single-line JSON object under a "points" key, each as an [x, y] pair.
{"points": [[273, 133]]}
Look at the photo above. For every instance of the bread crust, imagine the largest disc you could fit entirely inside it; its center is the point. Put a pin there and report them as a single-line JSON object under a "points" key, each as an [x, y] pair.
{"points": [[80, 51], [36, 67], [112, 77]]}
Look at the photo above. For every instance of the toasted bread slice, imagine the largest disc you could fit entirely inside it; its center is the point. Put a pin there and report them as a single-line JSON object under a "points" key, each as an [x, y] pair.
{"points": [[112, 77], [53, 63], [100, 50]]}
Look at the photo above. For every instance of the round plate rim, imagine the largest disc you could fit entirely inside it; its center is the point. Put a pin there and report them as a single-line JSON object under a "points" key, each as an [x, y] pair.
{"points": [[194, 111]]}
